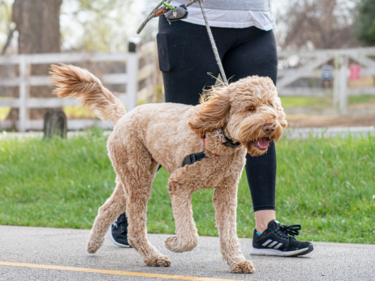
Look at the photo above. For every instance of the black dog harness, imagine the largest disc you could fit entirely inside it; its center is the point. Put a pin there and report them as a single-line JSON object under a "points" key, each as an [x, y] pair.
{"points": [[192, 158]]}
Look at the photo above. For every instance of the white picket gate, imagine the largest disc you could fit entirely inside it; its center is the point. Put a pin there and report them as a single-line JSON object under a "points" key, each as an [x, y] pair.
{"points": [[131, 76]]}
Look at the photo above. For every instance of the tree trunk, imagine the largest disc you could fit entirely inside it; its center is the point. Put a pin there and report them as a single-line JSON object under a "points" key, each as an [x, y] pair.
{"points": [[38, 29]]}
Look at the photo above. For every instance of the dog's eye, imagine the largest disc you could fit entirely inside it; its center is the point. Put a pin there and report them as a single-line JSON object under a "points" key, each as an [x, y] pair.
{"points": [[250, 108]]}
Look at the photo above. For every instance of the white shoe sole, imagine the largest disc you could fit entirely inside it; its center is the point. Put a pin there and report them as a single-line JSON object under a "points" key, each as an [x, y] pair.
{"points": [[115, 242], [273, 252]]}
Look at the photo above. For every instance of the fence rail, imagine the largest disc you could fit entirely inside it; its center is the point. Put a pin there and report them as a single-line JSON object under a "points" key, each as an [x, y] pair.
{"points": [[308, 66], [131, 77], [311, 69]]}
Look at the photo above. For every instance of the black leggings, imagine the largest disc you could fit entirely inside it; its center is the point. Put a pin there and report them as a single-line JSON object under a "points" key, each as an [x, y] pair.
{"points": [[186, 58]]}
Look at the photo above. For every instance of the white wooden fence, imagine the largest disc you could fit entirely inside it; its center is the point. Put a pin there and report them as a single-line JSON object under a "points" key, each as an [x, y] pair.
{"points": [[131, 77], [309, 66]]}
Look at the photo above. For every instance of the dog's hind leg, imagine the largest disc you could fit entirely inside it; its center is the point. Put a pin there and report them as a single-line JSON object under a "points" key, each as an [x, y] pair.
{"points": [[136, 169], [225, 201], [107, 214]]}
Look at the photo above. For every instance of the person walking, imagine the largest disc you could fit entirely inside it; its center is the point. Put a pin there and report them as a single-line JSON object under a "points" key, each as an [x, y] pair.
{"points": [[242, 30]]}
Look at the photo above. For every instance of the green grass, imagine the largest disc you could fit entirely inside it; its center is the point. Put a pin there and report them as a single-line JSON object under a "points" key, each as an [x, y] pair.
{"points": [[328, 186], [78, 112], [289, 102], [4, 111], [361, 99], [72, 112]]}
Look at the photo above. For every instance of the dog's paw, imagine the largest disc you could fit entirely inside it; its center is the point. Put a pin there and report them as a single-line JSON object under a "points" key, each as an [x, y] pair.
{"points": [[93, 246], [243, 267], [177, 245], [159, 261]]}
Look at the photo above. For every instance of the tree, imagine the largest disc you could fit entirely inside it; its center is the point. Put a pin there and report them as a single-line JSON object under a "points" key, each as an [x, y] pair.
{"points": [[365, 24], [37, 23], [319, 24], [87, 25]]}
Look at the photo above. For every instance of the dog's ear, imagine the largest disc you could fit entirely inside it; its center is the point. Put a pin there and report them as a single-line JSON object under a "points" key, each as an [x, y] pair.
{"points": [[280, 113], [214, 111]]}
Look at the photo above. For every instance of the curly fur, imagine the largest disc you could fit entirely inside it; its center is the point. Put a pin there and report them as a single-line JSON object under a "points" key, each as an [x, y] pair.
{"points": [[75, 82], [165, 134]]}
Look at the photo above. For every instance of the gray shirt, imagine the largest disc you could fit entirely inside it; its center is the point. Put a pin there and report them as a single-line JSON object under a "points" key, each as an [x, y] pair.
{"points": [[231, 13], [247, 5]]}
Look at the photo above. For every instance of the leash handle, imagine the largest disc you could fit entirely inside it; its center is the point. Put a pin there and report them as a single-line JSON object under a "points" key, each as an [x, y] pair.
{"points": [[213, 44], [151, 15]]}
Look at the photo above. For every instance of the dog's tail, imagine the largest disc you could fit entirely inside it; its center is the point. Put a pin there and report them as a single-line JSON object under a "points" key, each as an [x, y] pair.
{"points": [[75, 82]]}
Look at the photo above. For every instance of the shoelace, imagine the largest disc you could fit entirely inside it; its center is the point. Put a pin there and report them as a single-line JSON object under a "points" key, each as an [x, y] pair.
{"points": [[288, 231], [117, 224]]}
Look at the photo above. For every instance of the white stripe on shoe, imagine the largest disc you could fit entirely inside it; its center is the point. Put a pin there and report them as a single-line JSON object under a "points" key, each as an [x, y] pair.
{"points": [[278, 245], [272, 244], [267, 242]]}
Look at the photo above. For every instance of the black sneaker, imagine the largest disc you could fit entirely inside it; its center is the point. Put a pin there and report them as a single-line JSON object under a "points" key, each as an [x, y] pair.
{"points": [[278, 240], [119, 232]]}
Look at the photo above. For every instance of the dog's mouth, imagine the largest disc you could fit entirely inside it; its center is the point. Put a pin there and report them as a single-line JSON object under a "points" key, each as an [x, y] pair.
{"points": [[262, 144]]}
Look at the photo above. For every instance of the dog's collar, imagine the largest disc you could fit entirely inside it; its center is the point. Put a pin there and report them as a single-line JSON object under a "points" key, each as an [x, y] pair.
{"points": [[195, 157], [225, 140], [192, 158]]}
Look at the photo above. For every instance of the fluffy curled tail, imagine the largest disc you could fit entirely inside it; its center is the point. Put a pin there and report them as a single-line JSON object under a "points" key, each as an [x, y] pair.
{"points": [[75, 82]]}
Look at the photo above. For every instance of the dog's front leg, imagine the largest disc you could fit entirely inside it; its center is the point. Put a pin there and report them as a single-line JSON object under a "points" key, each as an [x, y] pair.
{"points": [[225, 201], [186, 238]]}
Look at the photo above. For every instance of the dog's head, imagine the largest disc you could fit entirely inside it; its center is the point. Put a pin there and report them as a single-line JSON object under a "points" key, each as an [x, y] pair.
{"points": [[248, 110]]}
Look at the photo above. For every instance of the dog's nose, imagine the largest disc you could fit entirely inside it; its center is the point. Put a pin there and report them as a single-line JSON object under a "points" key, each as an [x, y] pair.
{"points": [[268, 129]]}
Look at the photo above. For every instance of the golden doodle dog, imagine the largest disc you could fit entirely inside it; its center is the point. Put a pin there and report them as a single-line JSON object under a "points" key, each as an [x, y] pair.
{"points": [[231, 120]]}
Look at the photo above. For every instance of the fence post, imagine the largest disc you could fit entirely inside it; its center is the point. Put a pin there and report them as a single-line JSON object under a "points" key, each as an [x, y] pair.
{"points": [[336, 82], [343, 101], [132, 83], [23, 93]]}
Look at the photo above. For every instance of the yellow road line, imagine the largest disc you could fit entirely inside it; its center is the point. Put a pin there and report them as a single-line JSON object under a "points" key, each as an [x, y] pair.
{"points": [[112, 272]]}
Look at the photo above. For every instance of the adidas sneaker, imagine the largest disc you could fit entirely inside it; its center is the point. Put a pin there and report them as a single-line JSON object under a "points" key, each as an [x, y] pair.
{"points": [[278, 240], [119, 232]]}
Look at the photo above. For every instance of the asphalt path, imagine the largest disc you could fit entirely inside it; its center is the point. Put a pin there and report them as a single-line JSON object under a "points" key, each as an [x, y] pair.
{"points": [[31, 253]]}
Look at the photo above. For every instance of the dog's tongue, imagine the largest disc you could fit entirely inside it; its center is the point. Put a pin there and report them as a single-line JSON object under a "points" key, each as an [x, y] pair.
{"points": [[263, 142]]}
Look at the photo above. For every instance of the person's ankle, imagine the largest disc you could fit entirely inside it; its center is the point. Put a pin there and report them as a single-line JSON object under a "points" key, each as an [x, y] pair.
{"points": [[261, 228], [262, 218]]}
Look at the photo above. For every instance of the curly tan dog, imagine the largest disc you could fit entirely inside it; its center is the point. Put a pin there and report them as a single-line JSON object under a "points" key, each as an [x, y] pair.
{"points": [[248, 112]]}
